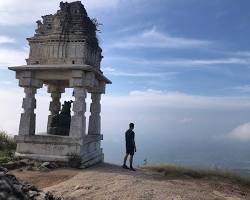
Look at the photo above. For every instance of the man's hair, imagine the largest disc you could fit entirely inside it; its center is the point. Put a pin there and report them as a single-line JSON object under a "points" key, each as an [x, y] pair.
{"points": [[131, 125]]}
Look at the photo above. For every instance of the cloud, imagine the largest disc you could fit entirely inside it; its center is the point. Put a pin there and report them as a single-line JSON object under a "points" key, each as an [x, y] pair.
{"points": [[243, 88], [20, 12], [164, 109], [6, 82], [11, 57], [181, 62], [153, 38], [241, 133], [6, 39], [178, 100], [193, 62], [108, 69], [113, 72]]}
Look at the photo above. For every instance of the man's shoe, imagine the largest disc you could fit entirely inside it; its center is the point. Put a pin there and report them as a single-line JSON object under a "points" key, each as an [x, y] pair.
{"points": [[125, 167], [132, 169]]}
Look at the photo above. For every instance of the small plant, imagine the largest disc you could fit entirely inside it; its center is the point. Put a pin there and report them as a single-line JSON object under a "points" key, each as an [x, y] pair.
{"points": [[6, 142], [7, 147], [74, 160]]}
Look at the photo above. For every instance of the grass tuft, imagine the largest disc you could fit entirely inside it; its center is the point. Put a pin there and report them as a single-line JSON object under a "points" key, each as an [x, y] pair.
{"points": [[173, 171]]}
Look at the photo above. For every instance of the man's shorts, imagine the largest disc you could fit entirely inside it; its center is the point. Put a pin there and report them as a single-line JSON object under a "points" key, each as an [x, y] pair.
{"points": [[130, 151]]}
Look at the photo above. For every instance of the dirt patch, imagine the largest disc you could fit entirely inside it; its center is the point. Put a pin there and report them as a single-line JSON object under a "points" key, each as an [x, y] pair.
{"points": [[45, 179], [109, 182]]}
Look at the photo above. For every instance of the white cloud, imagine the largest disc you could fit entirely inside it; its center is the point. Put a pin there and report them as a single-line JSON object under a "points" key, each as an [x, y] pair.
{"points": [[193, 62], [108, 69], [171, 99], [113, 72], [180, 62], [19, 12], [11, 57], [163, 109], [243, 88], [142, 74], [153, 38], [6, 82], [6, 39], [241, 133]]}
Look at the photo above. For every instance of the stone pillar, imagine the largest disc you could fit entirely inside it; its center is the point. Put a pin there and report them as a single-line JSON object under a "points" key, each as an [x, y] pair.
{"points": [[95, 118], [55, 104], [28, 117], [78, 120]]}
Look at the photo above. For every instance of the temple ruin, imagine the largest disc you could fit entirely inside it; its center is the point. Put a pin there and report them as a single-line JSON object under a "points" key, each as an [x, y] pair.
{"points": [[64, 53]]}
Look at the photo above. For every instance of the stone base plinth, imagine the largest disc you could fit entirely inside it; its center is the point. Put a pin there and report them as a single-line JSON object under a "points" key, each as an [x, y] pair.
{"points": [[59, 148]]}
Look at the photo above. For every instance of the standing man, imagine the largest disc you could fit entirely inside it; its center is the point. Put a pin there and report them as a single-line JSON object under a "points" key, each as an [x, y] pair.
{"points": [[130, 147]]}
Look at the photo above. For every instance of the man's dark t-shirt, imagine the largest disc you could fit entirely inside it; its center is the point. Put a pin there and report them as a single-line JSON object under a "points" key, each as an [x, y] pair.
{"points": [[130, 142]]}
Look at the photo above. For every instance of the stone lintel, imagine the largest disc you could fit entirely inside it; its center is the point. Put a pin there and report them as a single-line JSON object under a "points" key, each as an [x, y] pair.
{"points": [[55, 89], [43, 72], [30, 82]]}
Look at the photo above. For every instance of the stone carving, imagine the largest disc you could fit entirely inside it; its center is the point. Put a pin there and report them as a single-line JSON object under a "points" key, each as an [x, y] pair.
{"points": [[60, 123], [58, 36], [64, 53]]}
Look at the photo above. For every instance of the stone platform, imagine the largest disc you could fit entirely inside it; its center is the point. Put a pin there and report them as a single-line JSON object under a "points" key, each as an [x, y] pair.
{"points": [[59, 148]]}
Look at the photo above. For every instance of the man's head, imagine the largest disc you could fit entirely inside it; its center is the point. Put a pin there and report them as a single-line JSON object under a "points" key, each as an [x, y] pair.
{"points": [[131, 126]]}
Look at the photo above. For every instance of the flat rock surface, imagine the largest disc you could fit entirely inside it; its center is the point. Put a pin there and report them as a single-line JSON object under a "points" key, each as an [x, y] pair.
{"points": [[110, 182]]}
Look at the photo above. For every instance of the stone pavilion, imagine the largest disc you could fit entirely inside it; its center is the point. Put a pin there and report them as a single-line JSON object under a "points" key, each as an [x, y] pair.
{"points": [[64, 53]]}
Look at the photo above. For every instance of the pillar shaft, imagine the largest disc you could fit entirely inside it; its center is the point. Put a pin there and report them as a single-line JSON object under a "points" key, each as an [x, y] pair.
{"points": [[78, 120], [55, 104], [28, 117], [95, 118]]}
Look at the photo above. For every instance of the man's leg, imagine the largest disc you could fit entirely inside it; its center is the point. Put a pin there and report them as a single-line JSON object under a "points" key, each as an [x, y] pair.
{"points": [[131, 162], [125, 160]]}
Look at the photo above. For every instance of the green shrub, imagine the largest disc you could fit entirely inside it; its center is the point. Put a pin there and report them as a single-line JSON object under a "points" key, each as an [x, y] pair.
{"points": [[7, 143], [7, 147]]}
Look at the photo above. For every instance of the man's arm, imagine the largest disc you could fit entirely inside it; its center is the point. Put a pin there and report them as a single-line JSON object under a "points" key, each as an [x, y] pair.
{"points": [[134, 141]]}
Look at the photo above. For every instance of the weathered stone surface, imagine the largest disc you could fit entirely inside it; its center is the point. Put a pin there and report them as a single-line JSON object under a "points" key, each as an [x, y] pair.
{"points": [[64, 53], [69, 29], [78, 121], [95, 118]]}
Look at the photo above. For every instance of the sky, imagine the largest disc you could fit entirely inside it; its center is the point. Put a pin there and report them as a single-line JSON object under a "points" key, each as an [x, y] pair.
{"points": [[179, 70]]}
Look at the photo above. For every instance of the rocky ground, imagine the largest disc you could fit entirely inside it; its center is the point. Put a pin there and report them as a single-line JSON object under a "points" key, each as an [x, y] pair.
{"points": [[110, 182], [13, 189]]}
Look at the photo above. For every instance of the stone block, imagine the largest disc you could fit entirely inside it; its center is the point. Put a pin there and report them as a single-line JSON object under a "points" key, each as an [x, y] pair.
{"points": [[77, 126], [89, 79], [94, 124], [76, 82], [80, 92], [54, 89], [27, 124], [47, 148], [29, 103], [30, 82], [95, 108], [79, 106], [78, 74]]}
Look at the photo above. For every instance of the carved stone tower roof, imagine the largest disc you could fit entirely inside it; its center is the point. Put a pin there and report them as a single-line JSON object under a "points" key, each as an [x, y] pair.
{"points": [[67, 37]]}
